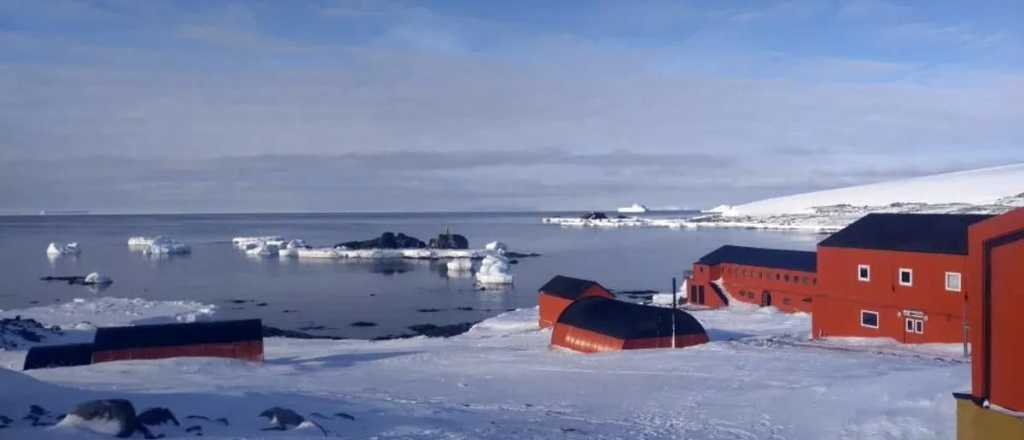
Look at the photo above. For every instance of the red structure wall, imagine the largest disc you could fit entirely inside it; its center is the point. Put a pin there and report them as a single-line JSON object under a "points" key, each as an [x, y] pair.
{"points": [[551, 306], [584, 341], [996, 265], [247, 350], [788, 290], [843, 296]]}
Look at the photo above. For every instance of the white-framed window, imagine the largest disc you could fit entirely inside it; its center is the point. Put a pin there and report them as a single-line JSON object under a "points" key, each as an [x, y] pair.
{"points": [[863, 272], [915, 326], [953, 281], [869, 319], [906, 277]]}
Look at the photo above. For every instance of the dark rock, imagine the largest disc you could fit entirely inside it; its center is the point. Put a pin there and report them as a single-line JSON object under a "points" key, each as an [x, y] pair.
{"points": [[346, 416], [594, 215], [117, 410], [464, 309], [288, 311], [428, 310], [448, 240], [222, 420], [262, 304], [270, 332], [17, 331], [195, 428], [282, 418], [4, 420], [312, 328], [157, 416], [441, 331], [37, 410], [387, 240], [363, 324]]}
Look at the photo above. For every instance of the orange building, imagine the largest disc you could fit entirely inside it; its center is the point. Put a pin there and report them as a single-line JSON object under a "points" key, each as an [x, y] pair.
{"points": [[595, 324], [782, 278], [901, 276], [560, 291], [995, 283]]}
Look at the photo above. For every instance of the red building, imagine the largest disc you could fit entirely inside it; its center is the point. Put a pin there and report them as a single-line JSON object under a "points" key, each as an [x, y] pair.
{"points": [[242, 339], [560, 291], [901, 276], [596, 324], [994, 284], [785, 279]]}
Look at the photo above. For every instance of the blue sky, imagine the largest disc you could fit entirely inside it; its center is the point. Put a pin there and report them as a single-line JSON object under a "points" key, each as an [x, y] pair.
{"points": [[392, 105]]}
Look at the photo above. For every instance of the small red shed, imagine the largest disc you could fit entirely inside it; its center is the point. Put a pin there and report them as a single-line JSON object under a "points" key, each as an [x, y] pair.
{"points": [[241, 339], [786, 279], [560, 291], [596, 324]]}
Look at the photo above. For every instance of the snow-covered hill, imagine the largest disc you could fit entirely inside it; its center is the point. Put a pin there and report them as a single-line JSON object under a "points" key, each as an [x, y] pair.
{"points": [[1002, 185]]}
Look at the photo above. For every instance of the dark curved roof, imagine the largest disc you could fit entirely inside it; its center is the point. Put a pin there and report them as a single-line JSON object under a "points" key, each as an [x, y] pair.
{"points": [[568, 287], [625, 320], [929, 233], [67, 355], [804, 261], [169, 335]]}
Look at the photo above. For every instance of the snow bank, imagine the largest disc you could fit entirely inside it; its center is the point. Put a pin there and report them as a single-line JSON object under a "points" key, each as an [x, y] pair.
{"points": [[81, 313], [57, 249], [494, 270]]}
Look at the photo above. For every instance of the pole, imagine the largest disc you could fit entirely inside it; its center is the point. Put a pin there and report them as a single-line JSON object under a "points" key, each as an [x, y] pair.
{"points": [[673, 312]]}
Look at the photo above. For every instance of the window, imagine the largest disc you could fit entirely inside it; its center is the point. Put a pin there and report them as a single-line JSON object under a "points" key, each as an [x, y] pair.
{"points": [[953, 281], [915, 326], [786, 278], [806, 281], [863, 272], [814, 281], [868, 319], [906, 277]]}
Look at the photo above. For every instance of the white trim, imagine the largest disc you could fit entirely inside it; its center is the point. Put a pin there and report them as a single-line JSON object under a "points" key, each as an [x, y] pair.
{"points": [[861, 318], [859, 268], [900, 276], [959, 282]]}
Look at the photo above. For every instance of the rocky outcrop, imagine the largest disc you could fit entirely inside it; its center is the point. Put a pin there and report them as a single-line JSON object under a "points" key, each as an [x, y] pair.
{"points": [[448, 240], [102, 414], [157, 417], [387, 240]]}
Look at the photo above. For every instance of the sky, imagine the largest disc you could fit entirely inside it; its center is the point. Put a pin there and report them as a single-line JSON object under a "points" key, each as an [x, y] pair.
{"points": [[220, 106]]}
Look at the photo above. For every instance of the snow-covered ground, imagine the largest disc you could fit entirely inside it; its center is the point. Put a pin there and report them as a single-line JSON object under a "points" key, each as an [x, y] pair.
{"points": [[759, 378], [983, 191]]}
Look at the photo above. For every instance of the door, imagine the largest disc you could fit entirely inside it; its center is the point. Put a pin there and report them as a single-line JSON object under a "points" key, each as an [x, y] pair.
{"points": [[1007, 327], [700, 294], [766, 299]]}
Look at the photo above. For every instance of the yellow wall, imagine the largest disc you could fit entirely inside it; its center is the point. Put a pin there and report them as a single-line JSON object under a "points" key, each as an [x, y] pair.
{"points": [[974, 422]]}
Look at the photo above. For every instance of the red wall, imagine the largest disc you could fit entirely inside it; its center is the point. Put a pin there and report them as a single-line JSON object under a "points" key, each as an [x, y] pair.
{"points": [[996, 326], [584, 341], [787, 288], [837, 309], [551, 306], [247, 350]]}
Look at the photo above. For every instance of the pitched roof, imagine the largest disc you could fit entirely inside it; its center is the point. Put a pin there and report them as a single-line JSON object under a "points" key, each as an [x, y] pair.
{"points": [[804, 261], [623, 320], [929, 233], [568, 287], [169, 335]]}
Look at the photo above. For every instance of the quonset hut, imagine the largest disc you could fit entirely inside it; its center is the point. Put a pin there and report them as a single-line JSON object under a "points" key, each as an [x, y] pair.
{"points": [[596, 324], [241, 339], [560, 291], [782, 278], [51, 356]]}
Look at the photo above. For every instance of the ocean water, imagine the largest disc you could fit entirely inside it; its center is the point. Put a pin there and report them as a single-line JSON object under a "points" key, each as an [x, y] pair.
{"points": [[326, 297]]}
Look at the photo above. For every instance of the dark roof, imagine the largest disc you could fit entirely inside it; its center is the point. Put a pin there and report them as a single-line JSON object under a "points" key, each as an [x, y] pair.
{"points": [[804, 261], [49, 356], [625, 320], [931, 233], [169, 335], [568, 287]]}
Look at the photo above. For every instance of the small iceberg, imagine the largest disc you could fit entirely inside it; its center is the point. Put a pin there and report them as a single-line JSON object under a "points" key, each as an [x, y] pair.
{"points": [[317, 253], [262, 249], [97, 279], [245, 242], [166, 246], [635, 208], [459, 265], [142, 242], [56, 250], [494, 270], [496, 246], [291, 249]]}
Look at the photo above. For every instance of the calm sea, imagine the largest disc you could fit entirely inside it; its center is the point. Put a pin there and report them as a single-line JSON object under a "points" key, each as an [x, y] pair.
{"points": [[326, 297]]}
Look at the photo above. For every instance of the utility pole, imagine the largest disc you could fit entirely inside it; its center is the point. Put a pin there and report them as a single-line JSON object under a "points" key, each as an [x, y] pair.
{"points": [[673, 311]]}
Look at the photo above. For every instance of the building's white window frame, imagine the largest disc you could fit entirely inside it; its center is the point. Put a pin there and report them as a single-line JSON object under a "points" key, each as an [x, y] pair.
{"points": [[861, 267], [899, 276], [877, 318], [919, 326], [914, 325], [959, 282]]}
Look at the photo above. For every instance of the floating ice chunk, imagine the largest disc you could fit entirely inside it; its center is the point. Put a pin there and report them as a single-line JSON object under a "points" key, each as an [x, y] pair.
{"points": [[459, 265], [167, 246], [243, 242], [496, 246], [56, 249], [664, 299], [263, 250], [421, 254], [295, 244], [374, 254], [97, 279], [142, 241], [495, 269], [317, 253]]}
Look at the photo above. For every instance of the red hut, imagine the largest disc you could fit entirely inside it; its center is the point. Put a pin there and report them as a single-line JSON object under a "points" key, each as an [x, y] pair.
{"points": [[595, 324], [901, 276], [561, 291], [782, 278], [242, 339]]}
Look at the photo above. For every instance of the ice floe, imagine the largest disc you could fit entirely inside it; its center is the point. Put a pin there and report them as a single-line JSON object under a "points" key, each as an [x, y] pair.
{"points": [[98, 279], [262, 249], [317, 253], [494, 270], [459, 265], [166, 246], [142, 241], [57, 249], [245, 242]]}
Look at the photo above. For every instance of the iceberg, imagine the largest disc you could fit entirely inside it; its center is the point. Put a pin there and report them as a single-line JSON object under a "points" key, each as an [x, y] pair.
{"points": [[97, 279], [263, 249], [317, 253], [291, 249], [142, 241], [496, 246], [167, 246], [635, 208], [459, 265], [494, 270], [56, 250], [244, 242]]}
